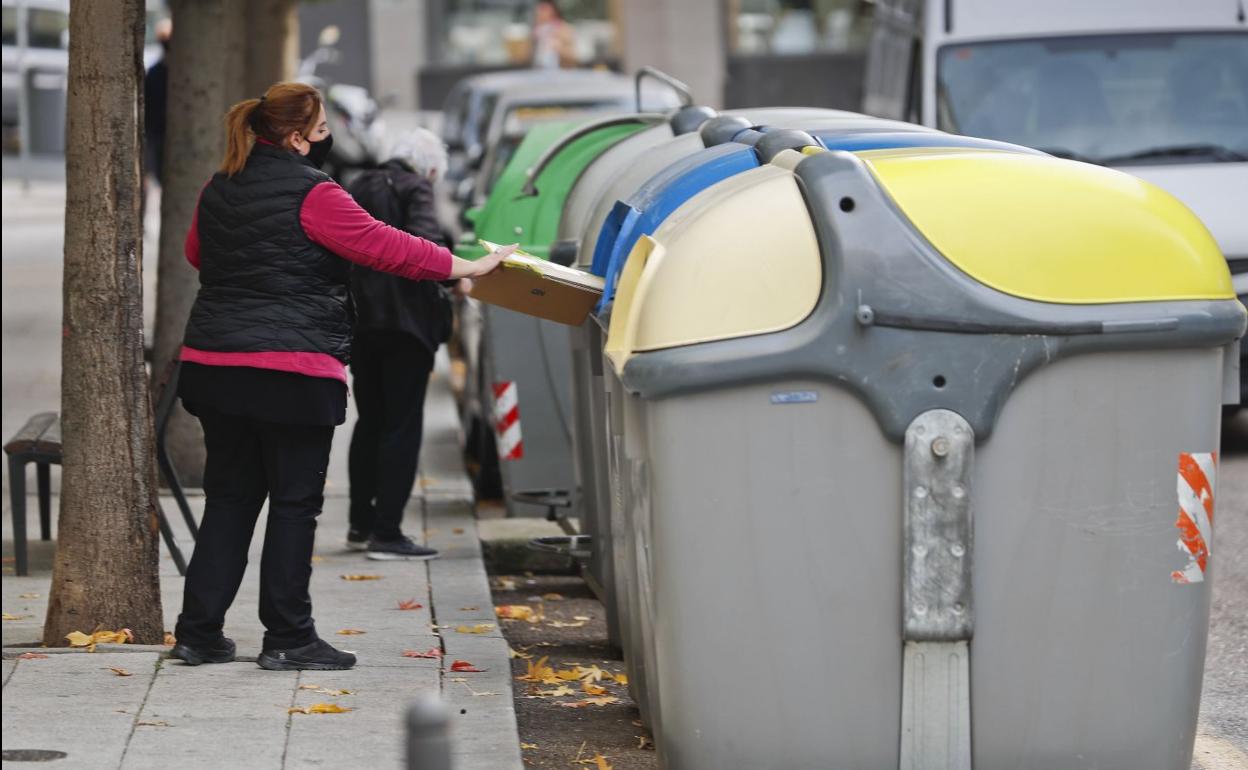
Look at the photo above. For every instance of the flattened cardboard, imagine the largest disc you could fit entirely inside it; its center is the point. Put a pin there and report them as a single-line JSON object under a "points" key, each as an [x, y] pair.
{"points": [[539, 288]]}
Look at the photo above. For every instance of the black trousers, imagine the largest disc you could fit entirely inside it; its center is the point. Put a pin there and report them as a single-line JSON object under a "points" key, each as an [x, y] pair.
{"points": [[390, 373], [249, 460]]}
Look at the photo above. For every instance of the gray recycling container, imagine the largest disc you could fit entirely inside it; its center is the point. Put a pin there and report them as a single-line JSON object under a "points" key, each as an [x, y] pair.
{"points": [[965, 420]]}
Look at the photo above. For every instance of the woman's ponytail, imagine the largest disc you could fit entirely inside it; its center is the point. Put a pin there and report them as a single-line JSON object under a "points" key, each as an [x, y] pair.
{"points": [[239, 136], [284, 109]]}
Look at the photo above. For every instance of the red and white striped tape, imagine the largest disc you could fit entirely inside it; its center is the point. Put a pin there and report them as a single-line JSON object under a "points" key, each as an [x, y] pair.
{"points": [[507, 421], [1197, 481]]}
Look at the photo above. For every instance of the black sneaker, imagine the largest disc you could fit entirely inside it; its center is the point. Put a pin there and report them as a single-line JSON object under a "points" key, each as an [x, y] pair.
{"points": [[221, 652], [356, 540], [399, 550], [317, 656]]}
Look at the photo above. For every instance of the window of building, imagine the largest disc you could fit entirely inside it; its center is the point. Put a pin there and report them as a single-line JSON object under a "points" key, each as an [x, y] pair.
{"points": [[500, 32], [47, 28], [797, 27]]}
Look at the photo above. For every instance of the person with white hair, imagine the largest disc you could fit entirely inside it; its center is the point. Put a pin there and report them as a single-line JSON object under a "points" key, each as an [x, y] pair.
{"points": [[399, 326]]}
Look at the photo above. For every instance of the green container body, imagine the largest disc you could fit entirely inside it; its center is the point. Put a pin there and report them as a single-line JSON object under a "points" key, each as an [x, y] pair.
{"points": [[510, 216]]}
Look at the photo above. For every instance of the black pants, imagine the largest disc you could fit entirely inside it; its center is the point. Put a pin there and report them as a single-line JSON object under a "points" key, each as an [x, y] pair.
{"points": [[390, 373], [249, 460]]}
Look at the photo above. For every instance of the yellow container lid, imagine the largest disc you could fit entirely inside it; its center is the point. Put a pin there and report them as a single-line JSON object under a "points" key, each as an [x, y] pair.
{"points": [[1054, 230]]}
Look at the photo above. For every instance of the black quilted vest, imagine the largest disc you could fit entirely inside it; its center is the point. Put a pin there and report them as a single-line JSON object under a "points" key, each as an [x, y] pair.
{"points": [[264, 286]]}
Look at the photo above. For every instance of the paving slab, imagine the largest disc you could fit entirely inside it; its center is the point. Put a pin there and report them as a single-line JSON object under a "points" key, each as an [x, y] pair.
{"points": [[76, 704]]}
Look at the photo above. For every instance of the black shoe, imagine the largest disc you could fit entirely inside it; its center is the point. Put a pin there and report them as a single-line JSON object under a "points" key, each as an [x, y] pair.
{"points": [[221, 652], [398, 550], [317, 656], [356, 540]]}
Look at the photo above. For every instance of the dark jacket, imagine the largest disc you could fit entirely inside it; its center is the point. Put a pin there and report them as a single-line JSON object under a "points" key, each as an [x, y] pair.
{"points": [[264, 285], [401, 198]]}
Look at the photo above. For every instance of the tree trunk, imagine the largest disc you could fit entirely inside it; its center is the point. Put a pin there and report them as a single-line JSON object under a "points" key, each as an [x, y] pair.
{"points": [[272, 44], [206, 74], [107, 550]]}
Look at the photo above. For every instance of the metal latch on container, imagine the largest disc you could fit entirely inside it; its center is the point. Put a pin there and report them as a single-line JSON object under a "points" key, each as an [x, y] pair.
{"points": [[937, 620]]}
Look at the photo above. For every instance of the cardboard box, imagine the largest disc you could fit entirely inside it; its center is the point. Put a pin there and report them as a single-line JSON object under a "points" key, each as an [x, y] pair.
{"points": [[539, 288]]}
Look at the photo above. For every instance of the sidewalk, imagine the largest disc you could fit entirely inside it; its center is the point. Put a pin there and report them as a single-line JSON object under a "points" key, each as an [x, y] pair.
{"points": [[235, 715]]}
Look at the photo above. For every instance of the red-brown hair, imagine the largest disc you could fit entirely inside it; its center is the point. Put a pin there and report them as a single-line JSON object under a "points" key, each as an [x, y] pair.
{"points": [[284, 109]]}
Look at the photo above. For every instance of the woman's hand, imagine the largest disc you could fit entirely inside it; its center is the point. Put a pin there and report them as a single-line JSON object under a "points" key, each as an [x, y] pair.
{"points": [[462, 268]]}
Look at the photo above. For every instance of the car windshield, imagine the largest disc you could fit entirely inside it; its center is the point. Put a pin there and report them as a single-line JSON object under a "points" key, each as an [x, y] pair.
{"points": [[503, 151], [1112, 99]]}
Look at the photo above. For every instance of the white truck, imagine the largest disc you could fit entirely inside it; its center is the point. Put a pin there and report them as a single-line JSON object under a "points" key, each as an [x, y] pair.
{"points": [[1155, 88]]}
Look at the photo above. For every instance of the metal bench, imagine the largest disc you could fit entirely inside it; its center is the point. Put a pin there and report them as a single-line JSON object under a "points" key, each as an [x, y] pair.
{"points": [[39, 442]]}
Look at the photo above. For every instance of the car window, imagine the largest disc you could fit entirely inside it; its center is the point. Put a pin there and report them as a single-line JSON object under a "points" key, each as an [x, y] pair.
{"points": [[46, 27]]}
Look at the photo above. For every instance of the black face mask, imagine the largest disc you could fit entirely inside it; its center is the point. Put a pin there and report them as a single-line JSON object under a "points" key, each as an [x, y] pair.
{"points": [[319, 151]]}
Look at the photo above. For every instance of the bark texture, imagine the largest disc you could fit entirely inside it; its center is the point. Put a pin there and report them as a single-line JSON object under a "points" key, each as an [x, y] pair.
{"points": [[272, 44], [206, 76], [107, 551]]}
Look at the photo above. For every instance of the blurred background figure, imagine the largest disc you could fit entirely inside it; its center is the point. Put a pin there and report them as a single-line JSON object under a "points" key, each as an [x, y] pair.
{"points": [[554, 41], [155, 104], [399, 326]]}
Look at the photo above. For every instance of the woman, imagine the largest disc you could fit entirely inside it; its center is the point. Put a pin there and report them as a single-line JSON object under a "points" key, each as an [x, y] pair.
{"points": [[265, 357]]}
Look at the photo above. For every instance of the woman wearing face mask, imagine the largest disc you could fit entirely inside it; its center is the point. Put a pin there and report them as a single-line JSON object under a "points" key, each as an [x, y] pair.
{"points": [[265, 357]]}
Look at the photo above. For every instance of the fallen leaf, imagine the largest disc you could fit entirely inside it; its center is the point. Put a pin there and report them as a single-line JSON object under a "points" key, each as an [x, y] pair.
{"points": [[319, 708], [410, 604], [79, 639], [598, 761], [593, 689], [591, 674], [309, 687], [582, 617], [463, 665], [28, 596], [505, 584], [170, 639], [580, 704], [7, 616], [350, 632], [514, 611], [538, 671], [553, 597], [119, 671], [479, 628], [563, 624], [430, 653], [569, 674], [360, 577], [558, 692], [620, 678], [643, 742], [31, 656], [528, 746], [318, 559], [515, 654], [457, 531]]}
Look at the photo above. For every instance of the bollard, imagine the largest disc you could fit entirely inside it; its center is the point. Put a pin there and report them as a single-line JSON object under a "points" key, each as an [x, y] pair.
{"points": [[428, 735]]}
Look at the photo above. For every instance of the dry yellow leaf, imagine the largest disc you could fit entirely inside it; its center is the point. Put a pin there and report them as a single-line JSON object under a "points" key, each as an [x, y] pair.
{"points": [[597, 760], [593, 689], [28, 596], [528, 745], [170, 639], [514, 611], [591, 674], [620, 678], [319, 708], [309, 687], [479, 628], [564, 624], [360, 577], [505, 584], [552, 597], [569, 674], [517, 654], [644, 742], [558, 692], [351, 631], [119, 671], [7, 616], [79, 639], [605, 700], [457, 531], [538, 671]]}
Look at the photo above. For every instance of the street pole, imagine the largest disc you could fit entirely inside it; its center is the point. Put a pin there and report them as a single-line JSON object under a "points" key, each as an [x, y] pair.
{"points": [[428, 735]]}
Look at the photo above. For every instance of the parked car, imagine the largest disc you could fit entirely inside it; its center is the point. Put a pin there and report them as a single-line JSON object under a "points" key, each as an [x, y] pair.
{"points": [[1156, 88]]}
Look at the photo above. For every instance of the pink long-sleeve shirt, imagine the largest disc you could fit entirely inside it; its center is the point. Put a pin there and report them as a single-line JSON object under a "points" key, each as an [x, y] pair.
{"points": [[331, 217]]}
